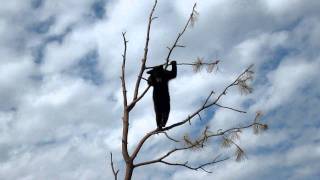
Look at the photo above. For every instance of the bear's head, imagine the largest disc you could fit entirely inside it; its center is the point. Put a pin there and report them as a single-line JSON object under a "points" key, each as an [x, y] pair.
{"points": [[157, 73]]}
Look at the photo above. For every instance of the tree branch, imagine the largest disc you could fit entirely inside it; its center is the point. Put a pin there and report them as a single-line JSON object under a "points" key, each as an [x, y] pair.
{"points": [[114, 171], [133, 103], [186, 64], [123, 81], [163, 157], [145, 56], [170, 138], [179, 36], [202, 166], [208, 105], [125, 118], [211, 93], [235, 129], [203, 107], [161, 160], [142, 141], [233, 109], [199, 143]]}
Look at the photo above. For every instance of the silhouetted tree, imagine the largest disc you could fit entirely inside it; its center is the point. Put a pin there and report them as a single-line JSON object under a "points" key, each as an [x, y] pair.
{"points": [[228, 136]]}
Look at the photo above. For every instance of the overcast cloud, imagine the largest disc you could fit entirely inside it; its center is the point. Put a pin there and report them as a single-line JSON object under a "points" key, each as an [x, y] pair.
{"points": [[60, 94]]}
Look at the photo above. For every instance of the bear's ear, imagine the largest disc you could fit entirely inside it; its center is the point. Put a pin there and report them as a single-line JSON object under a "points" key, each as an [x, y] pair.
{"points": [[150, 72]]}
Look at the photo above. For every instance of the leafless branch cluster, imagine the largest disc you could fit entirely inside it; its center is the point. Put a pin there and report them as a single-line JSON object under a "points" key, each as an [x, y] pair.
{"points": [[212, 100], [184, 164], [228, 135]]}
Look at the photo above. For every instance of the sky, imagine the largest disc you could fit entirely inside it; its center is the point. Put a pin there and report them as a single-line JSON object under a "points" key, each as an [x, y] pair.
{"points": [[60, 91]]}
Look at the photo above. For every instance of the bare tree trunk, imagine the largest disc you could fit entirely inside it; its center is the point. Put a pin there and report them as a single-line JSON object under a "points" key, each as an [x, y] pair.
{"points": [[125, 129], [126, 157], [129, 170]]}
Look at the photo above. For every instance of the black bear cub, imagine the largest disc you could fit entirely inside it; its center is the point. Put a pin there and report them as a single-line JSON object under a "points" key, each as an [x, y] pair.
{"points": [[159, 79]]}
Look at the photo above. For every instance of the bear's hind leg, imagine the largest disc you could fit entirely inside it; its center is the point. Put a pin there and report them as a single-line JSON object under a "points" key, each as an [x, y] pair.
{"points": [[165, 117], [159, 117]]}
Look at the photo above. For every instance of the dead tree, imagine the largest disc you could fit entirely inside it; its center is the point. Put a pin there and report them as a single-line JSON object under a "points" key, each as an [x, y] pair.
{"points": [[213, 100]]}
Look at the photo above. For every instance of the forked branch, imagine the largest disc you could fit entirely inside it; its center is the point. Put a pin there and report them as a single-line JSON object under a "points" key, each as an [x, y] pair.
{"points": [[164, 156], [133, 103], [175, 44], [114, 171], [200, 143], [145, 55], [205, 105], [196, 168]]}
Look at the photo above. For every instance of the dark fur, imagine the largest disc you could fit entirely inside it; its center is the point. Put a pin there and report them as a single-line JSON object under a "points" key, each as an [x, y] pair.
{"points": [[159, 79]]}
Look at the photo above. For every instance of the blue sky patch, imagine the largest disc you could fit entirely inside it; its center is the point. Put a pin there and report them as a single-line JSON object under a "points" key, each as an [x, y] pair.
{"points": [[42, 27], [35, 4], [98, 9], [87, 68]]}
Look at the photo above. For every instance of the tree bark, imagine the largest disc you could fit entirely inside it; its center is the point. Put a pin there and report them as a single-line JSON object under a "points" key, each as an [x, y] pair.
{"points": [[125, 129], [129, 170]]}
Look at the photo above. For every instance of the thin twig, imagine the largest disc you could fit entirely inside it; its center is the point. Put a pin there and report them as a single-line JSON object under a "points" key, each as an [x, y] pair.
{"points": [[199, 116], [212, 92], [233, 109], [179, 35], [233, 129], [114, 171], [170, 138], [186, 64], [202, 166], [162, 157]]}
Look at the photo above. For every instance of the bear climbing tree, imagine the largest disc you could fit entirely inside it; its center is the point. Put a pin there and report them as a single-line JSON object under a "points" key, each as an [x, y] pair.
{"points": [[227, 136], [159, 79]]}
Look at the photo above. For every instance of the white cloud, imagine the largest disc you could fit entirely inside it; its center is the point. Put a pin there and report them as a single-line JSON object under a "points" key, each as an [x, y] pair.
{"points": [[60, 57]]}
